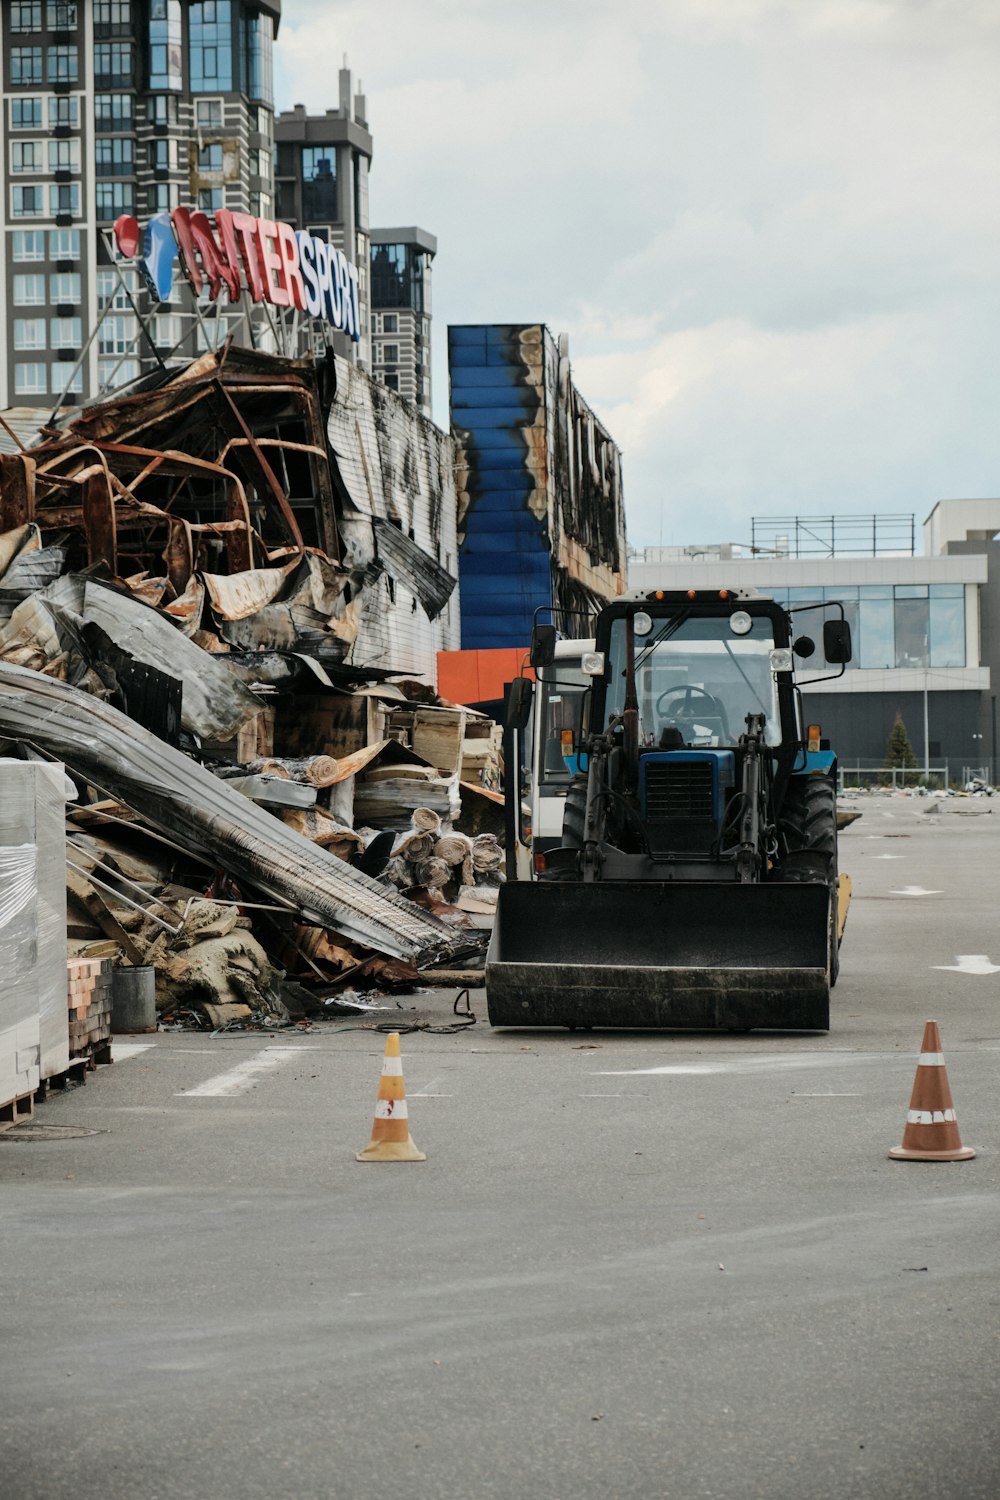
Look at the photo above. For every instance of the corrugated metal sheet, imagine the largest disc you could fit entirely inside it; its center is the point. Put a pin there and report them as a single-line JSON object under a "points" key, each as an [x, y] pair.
{"points": [[409, 565], [25, 423], [541, 513], [395, 465]]}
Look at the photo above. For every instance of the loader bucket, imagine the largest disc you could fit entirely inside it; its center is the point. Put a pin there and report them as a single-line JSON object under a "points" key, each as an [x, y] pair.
{"points": [[701, 956]]}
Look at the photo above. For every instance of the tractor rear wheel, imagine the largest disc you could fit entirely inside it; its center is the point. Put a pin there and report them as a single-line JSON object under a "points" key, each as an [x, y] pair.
{"points": [[808, 827], [575, 812]]}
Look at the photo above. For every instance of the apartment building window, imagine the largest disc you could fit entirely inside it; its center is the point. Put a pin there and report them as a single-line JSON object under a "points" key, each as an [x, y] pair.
{"points": [[168, 330], [209, 199], [63, 65], [113, 111], [29, 291], [29, 333], [115, 373], [64, 287], [163, 155], [390, 354], [64, 198], [114, 199], [26, 156], [116, 334], [26, 202], [210, 39], [64, 244], [111, 293], [25, 65], [161, 197], [66, 333], [26, 17], [258, 163], [208, 113], [162, 109], [210, 157], [64, 156], [114, 156], [30, 380], [67, 379], [165, 51], [113, 63], [29, 244], [64, 109], [390, 381], [258, 37], [319, 183], [25, 114], [62, 15], [390, 323], [112, 17]]}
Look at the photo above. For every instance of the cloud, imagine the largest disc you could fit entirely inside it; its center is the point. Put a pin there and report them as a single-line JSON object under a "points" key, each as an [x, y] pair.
{"points": [[770, 227]]}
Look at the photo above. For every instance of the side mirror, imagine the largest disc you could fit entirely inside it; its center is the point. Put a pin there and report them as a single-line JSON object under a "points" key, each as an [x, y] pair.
{"points": [[517, 709], [543, 646], [837, 642], [804, 646]]}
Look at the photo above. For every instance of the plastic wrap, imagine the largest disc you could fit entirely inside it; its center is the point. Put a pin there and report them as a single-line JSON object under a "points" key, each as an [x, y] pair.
{"points": [[19, 936]]}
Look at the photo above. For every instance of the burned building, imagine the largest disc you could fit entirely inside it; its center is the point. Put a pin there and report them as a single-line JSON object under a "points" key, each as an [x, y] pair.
{"points": [[541, 516]]}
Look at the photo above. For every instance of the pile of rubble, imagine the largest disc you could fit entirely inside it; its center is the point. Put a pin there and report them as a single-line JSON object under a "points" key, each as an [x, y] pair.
{"points": [[185, 576]]}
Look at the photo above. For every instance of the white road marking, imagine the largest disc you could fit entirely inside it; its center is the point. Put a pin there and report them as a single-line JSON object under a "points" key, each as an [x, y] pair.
{"points": [[797, 1095], [971, 963], [772, 1062], [122, 1050], [890, 856], [915, 890], [888, 815], [243, 1076]]}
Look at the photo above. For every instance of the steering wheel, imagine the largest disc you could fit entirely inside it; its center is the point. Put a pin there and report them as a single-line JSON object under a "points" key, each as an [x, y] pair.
{"points": [[687, 711]]}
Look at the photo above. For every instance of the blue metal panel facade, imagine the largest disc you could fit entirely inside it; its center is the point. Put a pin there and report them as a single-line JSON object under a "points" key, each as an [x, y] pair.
{"points": [[504, 556]]}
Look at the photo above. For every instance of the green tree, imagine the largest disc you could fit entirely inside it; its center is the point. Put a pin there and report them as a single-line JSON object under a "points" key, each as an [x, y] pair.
{"points": [[899, 751]]}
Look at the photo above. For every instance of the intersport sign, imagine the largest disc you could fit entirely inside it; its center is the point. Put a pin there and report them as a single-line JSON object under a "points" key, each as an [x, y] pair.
{"points": [[269, 259]]}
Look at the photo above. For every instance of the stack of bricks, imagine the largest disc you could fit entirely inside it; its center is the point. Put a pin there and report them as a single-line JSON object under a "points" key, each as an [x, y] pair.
{"points": [[89, 999]]}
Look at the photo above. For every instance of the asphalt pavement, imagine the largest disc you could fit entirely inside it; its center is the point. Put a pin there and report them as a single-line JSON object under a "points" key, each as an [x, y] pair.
{"points": [[632, 1265]]}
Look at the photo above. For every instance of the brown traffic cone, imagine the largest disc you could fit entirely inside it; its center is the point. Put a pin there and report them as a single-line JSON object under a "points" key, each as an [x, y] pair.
{"points": [[931, 1132], [391, 1139]]}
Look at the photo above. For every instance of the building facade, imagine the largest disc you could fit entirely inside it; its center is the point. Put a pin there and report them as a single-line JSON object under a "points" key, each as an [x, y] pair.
{"points": [[926, 632], [401, 312], [541, 513], [115, 107], [321, 182]]}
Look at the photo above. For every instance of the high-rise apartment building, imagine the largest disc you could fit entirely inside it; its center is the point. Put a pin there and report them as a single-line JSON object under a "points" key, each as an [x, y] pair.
{"points": [[401, 311], [321, 180], [117, 107]]}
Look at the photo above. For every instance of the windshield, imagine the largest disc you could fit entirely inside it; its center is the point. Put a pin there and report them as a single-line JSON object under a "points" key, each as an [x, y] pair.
{"points": [[561, 686], [700, 683]]}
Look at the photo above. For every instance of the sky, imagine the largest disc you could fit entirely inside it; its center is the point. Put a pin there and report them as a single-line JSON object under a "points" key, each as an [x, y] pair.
{"points": [[770, 228]]}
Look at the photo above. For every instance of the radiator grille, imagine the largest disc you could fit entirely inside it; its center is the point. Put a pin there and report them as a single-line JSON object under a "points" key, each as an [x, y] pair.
{"points": [[681, 790]]}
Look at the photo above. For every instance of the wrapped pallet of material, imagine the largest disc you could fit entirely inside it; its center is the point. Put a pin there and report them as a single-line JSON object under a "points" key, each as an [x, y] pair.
{"points": [[33, 812], [19, 1031]]}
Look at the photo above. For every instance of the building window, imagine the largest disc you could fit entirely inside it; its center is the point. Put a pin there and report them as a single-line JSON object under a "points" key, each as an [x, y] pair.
{"points": [[390, 354], [30, 380], [167, 330], [29, 291], [208, 113], [64, 287], [29, 333], [65, 333], [161, 197], [210, 158], [210, 40], [912, 622], [163, 155], [64, 198], [113, 63], [67, 379], [25, 114], [29, 244], [112, 17], [63, 65], [319, 184], [26, 202], [390, 323], [114, 199], [62, 15], [64, 156], [64, 244], [26, 156], [947, 624], [391, 382], [26, 16], [113, 373], [116, 334], [258, 37], [64, 109], [111, 293], [113, 112], [114, 156], [396, 277], [25, 65], [165, 69], [209, 199]]}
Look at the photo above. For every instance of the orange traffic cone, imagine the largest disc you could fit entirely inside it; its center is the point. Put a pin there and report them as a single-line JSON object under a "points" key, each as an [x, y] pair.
{"points": [[391, 1139], [931, 1132]]}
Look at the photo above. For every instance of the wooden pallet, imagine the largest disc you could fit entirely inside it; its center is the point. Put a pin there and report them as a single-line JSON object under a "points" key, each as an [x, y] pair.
{"points": [[16, 1111], [76, 1073]]}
